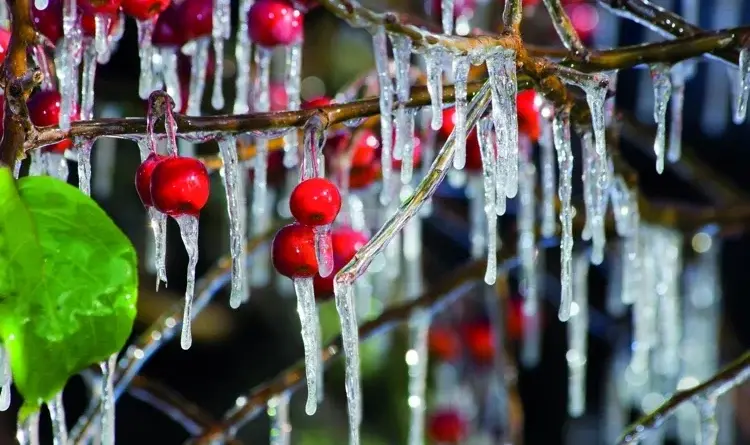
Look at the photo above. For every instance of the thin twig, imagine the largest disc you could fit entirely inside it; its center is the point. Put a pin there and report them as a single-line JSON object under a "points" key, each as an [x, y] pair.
{"points": [[565, 29], [730, 377]]}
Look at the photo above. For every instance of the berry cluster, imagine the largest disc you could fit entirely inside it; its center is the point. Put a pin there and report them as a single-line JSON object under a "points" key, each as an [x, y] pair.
{"points": [[174, 185]]}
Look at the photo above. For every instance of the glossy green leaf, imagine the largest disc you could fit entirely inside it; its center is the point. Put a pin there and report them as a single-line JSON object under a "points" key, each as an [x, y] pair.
{"points": [[68, 284]]}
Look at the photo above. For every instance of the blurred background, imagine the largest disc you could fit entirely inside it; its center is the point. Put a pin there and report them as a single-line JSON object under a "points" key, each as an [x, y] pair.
{"points": [[235, 350]]}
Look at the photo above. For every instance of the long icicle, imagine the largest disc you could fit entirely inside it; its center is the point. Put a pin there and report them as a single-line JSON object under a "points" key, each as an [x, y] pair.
{"points": [[561, 135], [242, 54], [662, 92], [235, 201], [577, 339], [109, 368], [380, 50]]}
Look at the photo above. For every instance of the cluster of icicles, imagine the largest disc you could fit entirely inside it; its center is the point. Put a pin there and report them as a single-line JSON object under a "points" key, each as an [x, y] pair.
{"points": [[508, 171]]}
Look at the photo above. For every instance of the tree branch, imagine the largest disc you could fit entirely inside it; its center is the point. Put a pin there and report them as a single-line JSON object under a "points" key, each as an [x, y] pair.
{"points": [[565, 29], [730, 377]]}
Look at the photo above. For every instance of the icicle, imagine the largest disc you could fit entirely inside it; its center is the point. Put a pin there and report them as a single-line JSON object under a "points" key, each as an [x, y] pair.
{"points": [[404, 120], [28, 431], [433, 60], [461, 65], [308, 317], [596, 96], [742, 87], [292, 84], [278, 412], [609, 104], [198, 61], [407, 164], [501, 69], [260, 216], [709, 429], [101, 36], [324, 250], [489, 174], [67, 67], [83, 150], [87, 83], [417, 361], [526, 235], [108, 400], [146, 54], [17, 169], [170, 75], [676, 106], [662, 92], [668, 291], [645, 334], [547, 155], [57, 415], [561, 135], [221, 15], [577, 339], [380, 50], [38, 166], [595, 199], [56, 165], [242, 54], [6, 378], [231, 177], [447, 10], [344, 295], [189, 232]]}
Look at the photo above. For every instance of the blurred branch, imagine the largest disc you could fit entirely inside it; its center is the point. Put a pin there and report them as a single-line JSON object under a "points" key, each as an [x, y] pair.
{"points": [[730, 377]]}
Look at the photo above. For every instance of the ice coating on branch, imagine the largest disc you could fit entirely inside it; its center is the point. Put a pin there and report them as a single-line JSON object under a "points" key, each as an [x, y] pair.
{"points": [[69, 58], [742, 89], [278, 414], [311, 339], [292, 84], [83, 152], [198, 53], [489, 176], [433, 60], [526, 219], [561, 136], [404, 146], [235, 201], [447, 8], [676, 106], [146, 54], [417, 361], [6, 379], [549, 180], [108, 400], [189, 233], [222, 28], [242, 54], [259, 209], [380, 50], [578, 338], [501, 68], [344, 296], [57, 416], [461, 66], [662, 91]]}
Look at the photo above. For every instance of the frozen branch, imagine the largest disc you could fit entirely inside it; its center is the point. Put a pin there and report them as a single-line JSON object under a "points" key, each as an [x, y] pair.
{"points": [[565, 29], [730, 377]]}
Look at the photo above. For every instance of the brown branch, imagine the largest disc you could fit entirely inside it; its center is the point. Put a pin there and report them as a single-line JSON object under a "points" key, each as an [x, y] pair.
{"points": [[565, 29], [731, 376], [19, 82]]}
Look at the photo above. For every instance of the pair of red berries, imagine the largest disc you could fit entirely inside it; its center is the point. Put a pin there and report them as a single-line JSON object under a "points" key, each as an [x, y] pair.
{"points": [[270, 23], [173, 185], [314, 203]]}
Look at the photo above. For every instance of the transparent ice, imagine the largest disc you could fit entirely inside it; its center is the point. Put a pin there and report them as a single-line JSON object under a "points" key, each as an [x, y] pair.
{"points": [[311, 339], [742, 89], [6, 379], [380, 50], [278, 413], [417, 361], [561, 137], [578, 338], [109, 368], [198, 51], [57, 416], [222, 28], [235, 202], [189, 233], [660, 75]]}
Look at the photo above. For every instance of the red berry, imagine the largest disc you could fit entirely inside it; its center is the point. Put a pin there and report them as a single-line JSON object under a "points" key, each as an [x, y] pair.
{"points": [[480, 339], [528, 115], [293, 251], [143, 178], [48, 21], [363, 177], [144, 9], [274, 22], [320, 101], [444, 343], [447, 426], [169, 29], [107, 7], [197, 18], [180, 186], [44, 111], [4, 43], [88, 24], [315, 202], [365, 150]]}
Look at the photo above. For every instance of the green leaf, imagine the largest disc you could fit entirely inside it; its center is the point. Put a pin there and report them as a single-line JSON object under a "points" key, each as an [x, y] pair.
{"points": [[68, 284]]}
